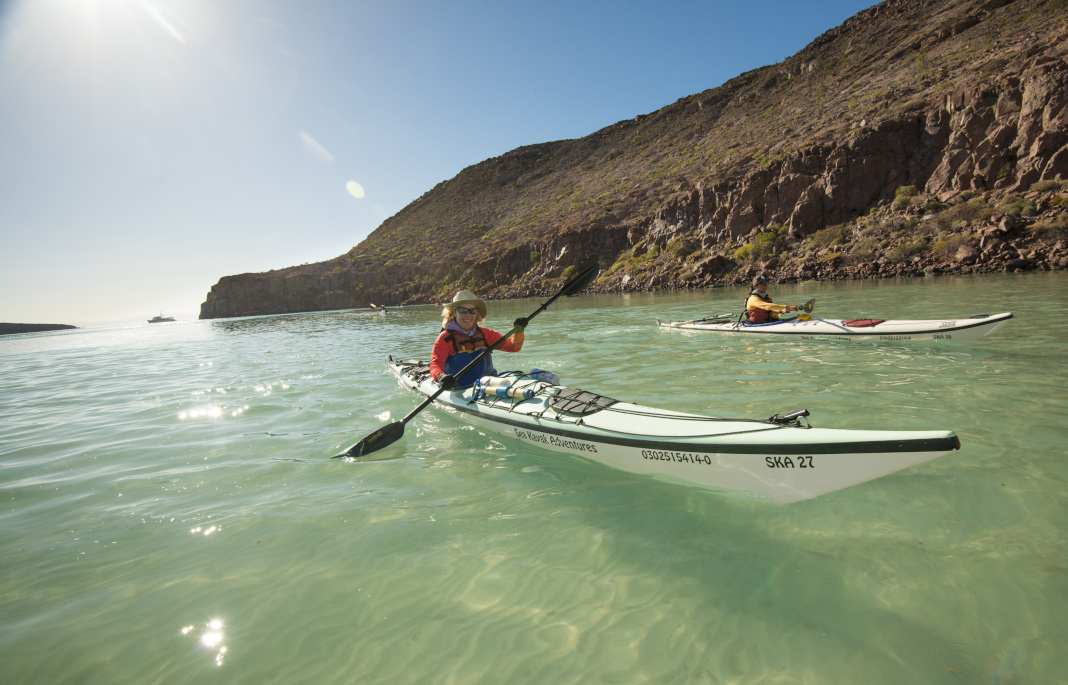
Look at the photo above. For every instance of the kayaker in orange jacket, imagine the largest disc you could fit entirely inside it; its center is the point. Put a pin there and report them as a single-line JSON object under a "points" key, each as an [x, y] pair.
{"points": [[758, 305]]}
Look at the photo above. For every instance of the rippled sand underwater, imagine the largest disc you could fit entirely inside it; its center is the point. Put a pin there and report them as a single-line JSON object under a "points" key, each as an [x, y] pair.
{"points": [[171, 514]]}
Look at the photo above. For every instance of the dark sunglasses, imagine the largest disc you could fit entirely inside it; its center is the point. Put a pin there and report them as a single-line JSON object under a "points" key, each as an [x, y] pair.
{"points": [[467, 310]]}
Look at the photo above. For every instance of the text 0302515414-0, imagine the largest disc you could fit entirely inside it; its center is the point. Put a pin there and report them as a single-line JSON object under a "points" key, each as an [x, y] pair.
{"points": [[686, 457]]}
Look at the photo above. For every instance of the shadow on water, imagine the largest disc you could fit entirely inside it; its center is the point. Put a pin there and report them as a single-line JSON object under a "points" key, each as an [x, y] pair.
{"points": [[707, 575]]}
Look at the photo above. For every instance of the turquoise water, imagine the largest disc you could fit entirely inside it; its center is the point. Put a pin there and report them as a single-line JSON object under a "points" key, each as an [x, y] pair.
{"points": [[171, 515]]}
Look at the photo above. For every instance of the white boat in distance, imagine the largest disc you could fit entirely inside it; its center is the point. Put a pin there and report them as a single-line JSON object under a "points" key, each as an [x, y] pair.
{"points": [[160, 318], [778, 459], [867, 330]]}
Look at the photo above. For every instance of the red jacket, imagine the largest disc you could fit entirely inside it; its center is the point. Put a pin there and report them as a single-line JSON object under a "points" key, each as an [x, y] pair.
{"points": [[443, 349]]}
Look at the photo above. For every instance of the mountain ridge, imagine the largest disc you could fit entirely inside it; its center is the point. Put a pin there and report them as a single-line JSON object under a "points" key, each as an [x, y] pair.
{"points": [[859, 156]]}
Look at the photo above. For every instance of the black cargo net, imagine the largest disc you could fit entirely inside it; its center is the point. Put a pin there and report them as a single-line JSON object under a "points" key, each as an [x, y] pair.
{"points": [[577, 402]]}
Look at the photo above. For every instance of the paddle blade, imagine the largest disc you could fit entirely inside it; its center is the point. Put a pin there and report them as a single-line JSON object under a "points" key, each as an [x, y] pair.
{"points": [[586, 272], [383, 437], [809, 306]]}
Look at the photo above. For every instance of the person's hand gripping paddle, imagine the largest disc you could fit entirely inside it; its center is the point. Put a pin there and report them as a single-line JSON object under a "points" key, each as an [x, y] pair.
{"points": [[807, 309], [391, 432]]}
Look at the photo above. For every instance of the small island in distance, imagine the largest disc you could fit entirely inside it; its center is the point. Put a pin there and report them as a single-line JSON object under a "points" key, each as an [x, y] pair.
{"points": [[12, 328]]}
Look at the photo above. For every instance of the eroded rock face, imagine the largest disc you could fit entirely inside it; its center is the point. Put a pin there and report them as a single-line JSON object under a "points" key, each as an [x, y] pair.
{"points": [[983, 139]]}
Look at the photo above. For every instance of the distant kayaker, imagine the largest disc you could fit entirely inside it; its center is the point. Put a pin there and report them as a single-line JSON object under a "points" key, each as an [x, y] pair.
{"points": [[461, 339], [758, 305]]}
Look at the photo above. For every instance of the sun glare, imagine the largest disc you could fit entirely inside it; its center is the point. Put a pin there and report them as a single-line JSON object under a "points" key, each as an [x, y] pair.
{"points": [[355, 190]]}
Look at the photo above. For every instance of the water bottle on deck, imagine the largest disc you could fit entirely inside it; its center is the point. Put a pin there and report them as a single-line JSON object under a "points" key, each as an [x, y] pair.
{"points": [[511, 391]]}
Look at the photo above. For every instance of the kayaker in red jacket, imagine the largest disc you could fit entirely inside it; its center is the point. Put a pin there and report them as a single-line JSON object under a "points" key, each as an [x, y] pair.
{"points": [[758, 305], [462, 339]]}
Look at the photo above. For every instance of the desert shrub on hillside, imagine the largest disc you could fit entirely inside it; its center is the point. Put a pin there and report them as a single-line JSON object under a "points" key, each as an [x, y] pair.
{"points": [[902, 197], [900, 228], [832, 235], [681, 248], [972, 211], [947, 247], [766, 243], [865, 251], [891, 226], [935, 206], [1045, 186], [762, 246], [1016, 205], [906, 251], [1051, 229]]}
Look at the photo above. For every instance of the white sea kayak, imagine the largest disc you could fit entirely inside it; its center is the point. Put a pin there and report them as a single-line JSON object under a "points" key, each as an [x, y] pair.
{"points": [[780, 459], [868, 330]]}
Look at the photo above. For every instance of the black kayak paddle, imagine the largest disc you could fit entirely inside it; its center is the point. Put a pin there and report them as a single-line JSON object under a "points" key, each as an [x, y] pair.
{"points": [[391, 432]]}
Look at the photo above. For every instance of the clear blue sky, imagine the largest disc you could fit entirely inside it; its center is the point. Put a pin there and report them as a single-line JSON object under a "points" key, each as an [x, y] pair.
{"points": [[150, 147]]}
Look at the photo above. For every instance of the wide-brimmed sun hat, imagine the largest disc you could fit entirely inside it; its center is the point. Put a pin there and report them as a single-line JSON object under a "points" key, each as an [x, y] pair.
{"points": [[466, 298]]}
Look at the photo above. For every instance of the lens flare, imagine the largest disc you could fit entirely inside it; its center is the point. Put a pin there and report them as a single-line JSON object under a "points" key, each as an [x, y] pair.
{"points": [[155, 12], [355, 190], [314, 148]]}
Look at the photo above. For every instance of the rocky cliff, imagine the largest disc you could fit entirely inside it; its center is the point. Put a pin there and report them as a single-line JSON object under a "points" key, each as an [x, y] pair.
{"points": [[920, 136]]}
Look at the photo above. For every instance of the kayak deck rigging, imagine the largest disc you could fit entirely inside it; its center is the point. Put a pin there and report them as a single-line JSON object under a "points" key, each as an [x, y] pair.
{"points": [[548, 393]]}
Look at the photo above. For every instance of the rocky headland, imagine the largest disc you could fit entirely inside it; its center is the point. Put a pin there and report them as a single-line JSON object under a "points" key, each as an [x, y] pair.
{"points": [[13, 328], [919, 137]]}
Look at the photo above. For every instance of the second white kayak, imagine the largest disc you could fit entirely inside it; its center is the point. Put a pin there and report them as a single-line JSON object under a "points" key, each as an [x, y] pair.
{"points": [[870, 330]]}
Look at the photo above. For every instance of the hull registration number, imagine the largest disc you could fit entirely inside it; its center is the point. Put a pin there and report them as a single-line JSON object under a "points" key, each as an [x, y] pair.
{"points": [[789, 462]]}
